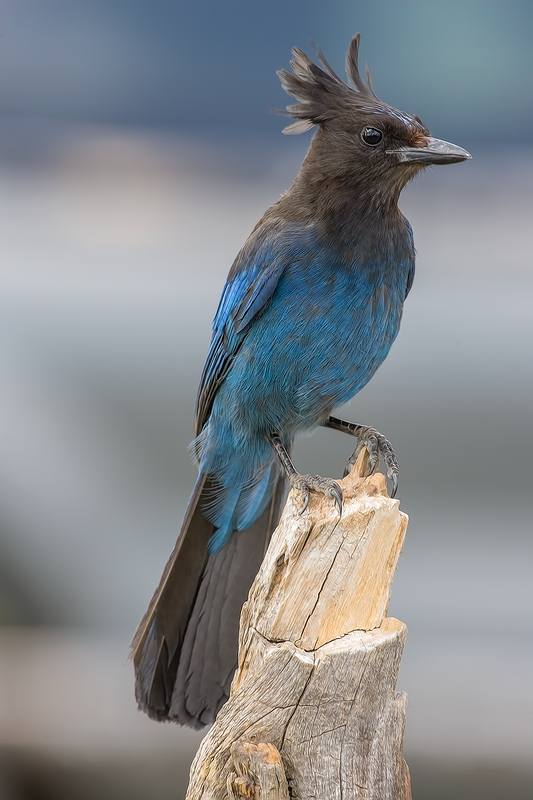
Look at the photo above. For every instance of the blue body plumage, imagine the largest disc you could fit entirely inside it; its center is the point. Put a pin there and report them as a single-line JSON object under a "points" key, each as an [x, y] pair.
{"points": [[310, 310], [304, 323]]}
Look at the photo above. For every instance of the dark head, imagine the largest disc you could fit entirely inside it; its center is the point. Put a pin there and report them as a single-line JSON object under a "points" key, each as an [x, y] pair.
{"points": [[359, 137]]}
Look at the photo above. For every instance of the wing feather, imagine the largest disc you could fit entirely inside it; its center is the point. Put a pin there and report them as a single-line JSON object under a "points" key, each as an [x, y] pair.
{"points": [[251, 284]]}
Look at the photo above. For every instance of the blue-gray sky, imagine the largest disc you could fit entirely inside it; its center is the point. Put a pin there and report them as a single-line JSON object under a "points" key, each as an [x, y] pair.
{"points": [[465, 67]]}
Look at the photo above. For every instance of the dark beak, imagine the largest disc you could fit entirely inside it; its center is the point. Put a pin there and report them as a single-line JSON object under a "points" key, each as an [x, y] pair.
{"points": [[435, 152]]}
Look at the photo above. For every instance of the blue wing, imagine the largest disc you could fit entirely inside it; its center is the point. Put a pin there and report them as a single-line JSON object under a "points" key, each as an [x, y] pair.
{"points": [[250, 285], [411, 273]]}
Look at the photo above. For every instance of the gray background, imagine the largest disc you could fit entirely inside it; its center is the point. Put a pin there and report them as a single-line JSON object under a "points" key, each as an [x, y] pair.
{"points": [[136, 153]]}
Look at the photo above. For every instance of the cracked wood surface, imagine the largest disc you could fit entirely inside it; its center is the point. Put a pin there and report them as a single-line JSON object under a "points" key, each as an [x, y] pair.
{"points": [[318, 658], [323, 576], [259, 772]]}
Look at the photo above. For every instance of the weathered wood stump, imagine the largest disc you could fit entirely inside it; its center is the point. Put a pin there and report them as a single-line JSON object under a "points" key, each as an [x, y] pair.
{"points": [[313, 712]]}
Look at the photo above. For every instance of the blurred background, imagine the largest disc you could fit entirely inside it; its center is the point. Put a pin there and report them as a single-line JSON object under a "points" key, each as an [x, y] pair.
{"points": [[136, 153]]}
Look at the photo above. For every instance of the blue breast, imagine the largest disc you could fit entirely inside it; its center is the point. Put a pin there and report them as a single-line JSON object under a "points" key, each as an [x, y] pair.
{"points": [[329, 325]]}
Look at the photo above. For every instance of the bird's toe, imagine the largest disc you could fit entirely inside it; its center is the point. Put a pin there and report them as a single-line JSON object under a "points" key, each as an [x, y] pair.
{"points": [[315, 483], [378, 447]]}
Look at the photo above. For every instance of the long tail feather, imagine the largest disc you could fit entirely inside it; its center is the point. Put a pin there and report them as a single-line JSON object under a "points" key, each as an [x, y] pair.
{"points": [[185, 648]]}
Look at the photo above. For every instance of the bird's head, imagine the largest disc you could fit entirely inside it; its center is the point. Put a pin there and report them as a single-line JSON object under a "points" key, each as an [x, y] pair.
{"points": [[357, 131]]}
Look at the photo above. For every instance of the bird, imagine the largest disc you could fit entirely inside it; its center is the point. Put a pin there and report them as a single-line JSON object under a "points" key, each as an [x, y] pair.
{"points": [[309, 311]]}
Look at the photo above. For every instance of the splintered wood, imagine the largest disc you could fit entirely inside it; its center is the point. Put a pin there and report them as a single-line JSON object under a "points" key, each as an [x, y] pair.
{"points": [[313, 712], [259, 772]]}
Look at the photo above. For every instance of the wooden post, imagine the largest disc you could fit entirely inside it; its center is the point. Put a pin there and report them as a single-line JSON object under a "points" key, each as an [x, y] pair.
{"points": [[313, 712]]}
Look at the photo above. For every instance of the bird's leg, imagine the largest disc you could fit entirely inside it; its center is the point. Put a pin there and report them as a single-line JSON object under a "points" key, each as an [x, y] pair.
{"points": [[305, 483], [376, 444]]}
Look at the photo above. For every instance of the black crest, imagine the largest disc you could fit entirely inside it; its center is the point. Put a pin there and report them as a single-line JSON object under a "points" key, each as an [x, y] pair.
{"points": [[322, 95]]}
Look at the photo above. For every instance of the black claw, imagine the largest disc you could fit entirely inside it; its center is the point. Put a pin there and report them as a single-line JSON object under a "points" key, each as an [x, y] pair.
{"points": [[377, 446], [374, 457], [314, 483], [372, 466]]}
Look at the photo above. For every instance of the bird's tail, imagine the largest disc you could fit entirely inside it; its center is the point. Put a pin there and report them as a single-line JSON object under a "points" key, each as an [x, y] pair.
{"points": [[185, 648]]}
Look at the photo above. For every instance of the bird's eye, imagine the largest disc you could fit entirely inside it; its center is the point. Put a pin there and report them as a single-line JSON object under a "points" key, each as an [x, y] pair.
{"points": [[371, 136]]}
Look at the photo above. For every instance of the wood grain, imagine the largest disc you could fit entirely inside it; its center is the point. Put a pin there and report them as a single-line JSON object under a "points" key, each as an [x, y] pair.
{"points": [[318, 660], [259, 773]]}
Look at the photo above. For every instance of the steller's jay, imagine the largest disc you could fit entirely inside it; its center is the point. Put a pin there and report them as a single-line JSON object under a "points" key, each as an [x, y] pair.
{"points": [[310, 309]]}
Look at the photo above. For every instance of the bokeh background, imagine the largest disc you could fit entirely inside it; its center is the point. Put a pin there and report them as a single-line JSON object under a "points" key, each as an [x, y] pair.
{"points": [[136, 153]]}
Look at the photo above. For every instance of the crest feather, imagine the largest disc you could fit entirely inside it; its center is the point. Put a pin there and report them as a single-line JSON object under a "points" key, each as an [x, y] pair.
{"points": [[322, 95]]}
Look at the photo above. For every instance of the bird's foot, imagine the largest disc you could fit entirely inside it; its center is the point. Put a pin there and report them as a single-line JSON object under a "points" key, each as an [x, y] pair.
{"points": [[314, 483], [377, 445]]}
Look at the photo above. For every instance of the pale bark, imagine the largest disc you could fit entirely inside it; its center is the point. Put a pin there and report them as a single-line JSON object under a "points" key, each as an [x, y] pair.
{"points": [[259, 772], [318, 661]]}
